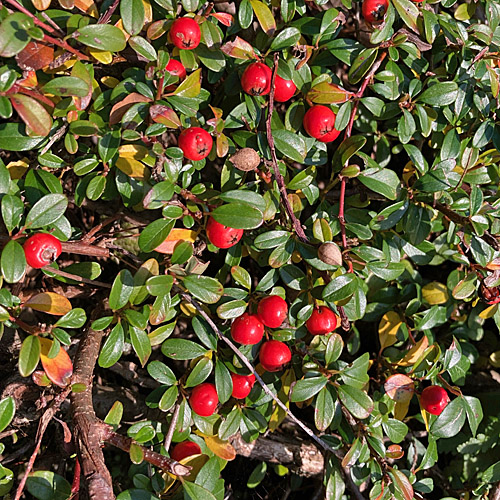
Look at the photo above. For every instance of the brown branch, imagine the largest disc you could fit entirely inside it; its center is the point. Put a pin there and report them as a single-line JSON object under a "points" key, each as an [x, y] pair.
{"points": [[277, 174], [81, 248], [171, 428], [42, 427], [495, 492], [266, 389], [104, 18], [88, 434], [162, 462]]}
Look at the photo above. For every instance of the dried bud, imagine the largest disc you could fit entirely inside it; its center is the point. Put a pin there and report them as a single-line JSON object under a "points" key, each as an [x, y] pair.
{"points": [[330, 254], [245, 159]]}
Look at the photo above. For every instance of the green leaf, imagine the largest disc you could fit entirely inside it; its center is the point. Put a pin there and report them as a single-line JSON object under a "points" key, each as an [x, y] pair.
{"points": [[223, 382], [13, 137], [13, 262], [290, 144], [73, 319], [161, 373], [257, 475], [155, 234], [264, 16], [67, 86], [408, 12], [362, 64], [324, 409], [286, 38], [47, 485], [346, 150], [7, 411], [133, 15], [13, 34], [384, 181], [230, 426], [122, 288], [246, 197], [182, 349], [143, 47], [395, 429], [440, 94], [474, 412], [102, 37], [112, 349], [29, 355], [238, 216], [231, 309], [340, 288], [204, 288], [200, 372], [356, 401], [193, 491], [46, 211], [441, 177], [307, 388], [449, 423], [356, 374], [141, 344]]}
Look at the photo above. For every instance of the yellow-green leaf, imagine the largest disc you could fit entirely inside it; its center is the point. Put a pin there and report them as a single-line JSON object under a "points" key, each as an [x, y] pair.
{"points": [[388, 329], [435, 293], [49, 302], [264, 16]]}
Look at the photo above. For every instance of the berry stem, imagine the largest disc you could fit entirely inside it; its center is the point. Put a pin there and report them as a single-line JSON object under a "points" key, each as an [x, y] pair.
{"points": [[277, 174]]}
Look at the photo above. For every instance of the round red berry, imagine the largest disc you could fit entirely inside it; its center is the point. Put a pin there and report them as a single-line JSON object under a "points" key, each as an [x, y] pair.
{"points": [[185, 33], [272, 311], [222, 236], [41, 249], [274, 355], [434, 399], [204, 399], [185, 449], [247, 329], [242, 385], [322, 321], [374, 10], [319, 123], [176, 68], [195, 143], [256, 79], [283, 89]]}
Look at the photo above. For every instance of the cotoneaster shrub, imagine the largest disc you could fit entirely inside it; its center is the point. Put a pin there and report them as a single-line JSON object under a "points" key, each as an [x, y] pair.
{"points": [[194, 159]]}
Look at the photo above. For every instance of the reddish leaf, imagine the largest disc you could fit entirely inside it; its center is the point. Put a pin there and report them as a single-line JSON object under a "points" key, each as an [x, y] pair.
{"points": [[224, 18], [165, 115], [36, 55], [222, 449], [239, 49], [402, 483], [32, 113], [176, 235], [59, 369], [120, 108], [328, 93], [399, 388]]}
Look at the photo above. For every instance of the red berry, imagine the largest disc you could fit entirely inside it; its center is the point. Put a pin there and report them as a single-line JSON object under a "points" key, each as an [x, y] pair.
{"points": [[185, 33], [374, 10], [247, 329], [274, 355], [176, 68], [222, 236], [204, 399], [41, 249], [185, 449], [272, 311], [242, 385], [322, 321], [319, 122], [256, 79], [195, 143], [434, 399], [283, 89]]}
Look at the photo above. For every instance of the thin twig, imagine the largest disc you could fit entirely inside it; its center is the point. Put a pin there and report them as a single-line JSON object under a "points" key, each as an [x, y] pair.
{"points": [[277, 174], [42, 427], [266, 389], [172, 426], [75, 277], [104, 18]]}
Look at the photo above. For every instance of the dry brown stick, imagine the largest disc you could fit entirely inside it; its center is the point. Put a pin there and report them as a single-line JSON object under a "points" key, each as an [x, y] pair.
{"points": [[162, 462], [42, 427], [75, 277], [87, 434], [495, 492], [266, 389], [277, 174], [84, 249], [172, 426]]}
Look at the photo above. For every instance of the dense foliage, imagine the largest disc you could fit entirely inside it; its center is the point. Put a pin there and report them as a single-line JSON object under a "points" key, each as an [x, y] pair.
{"points": [[385, 225]]}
